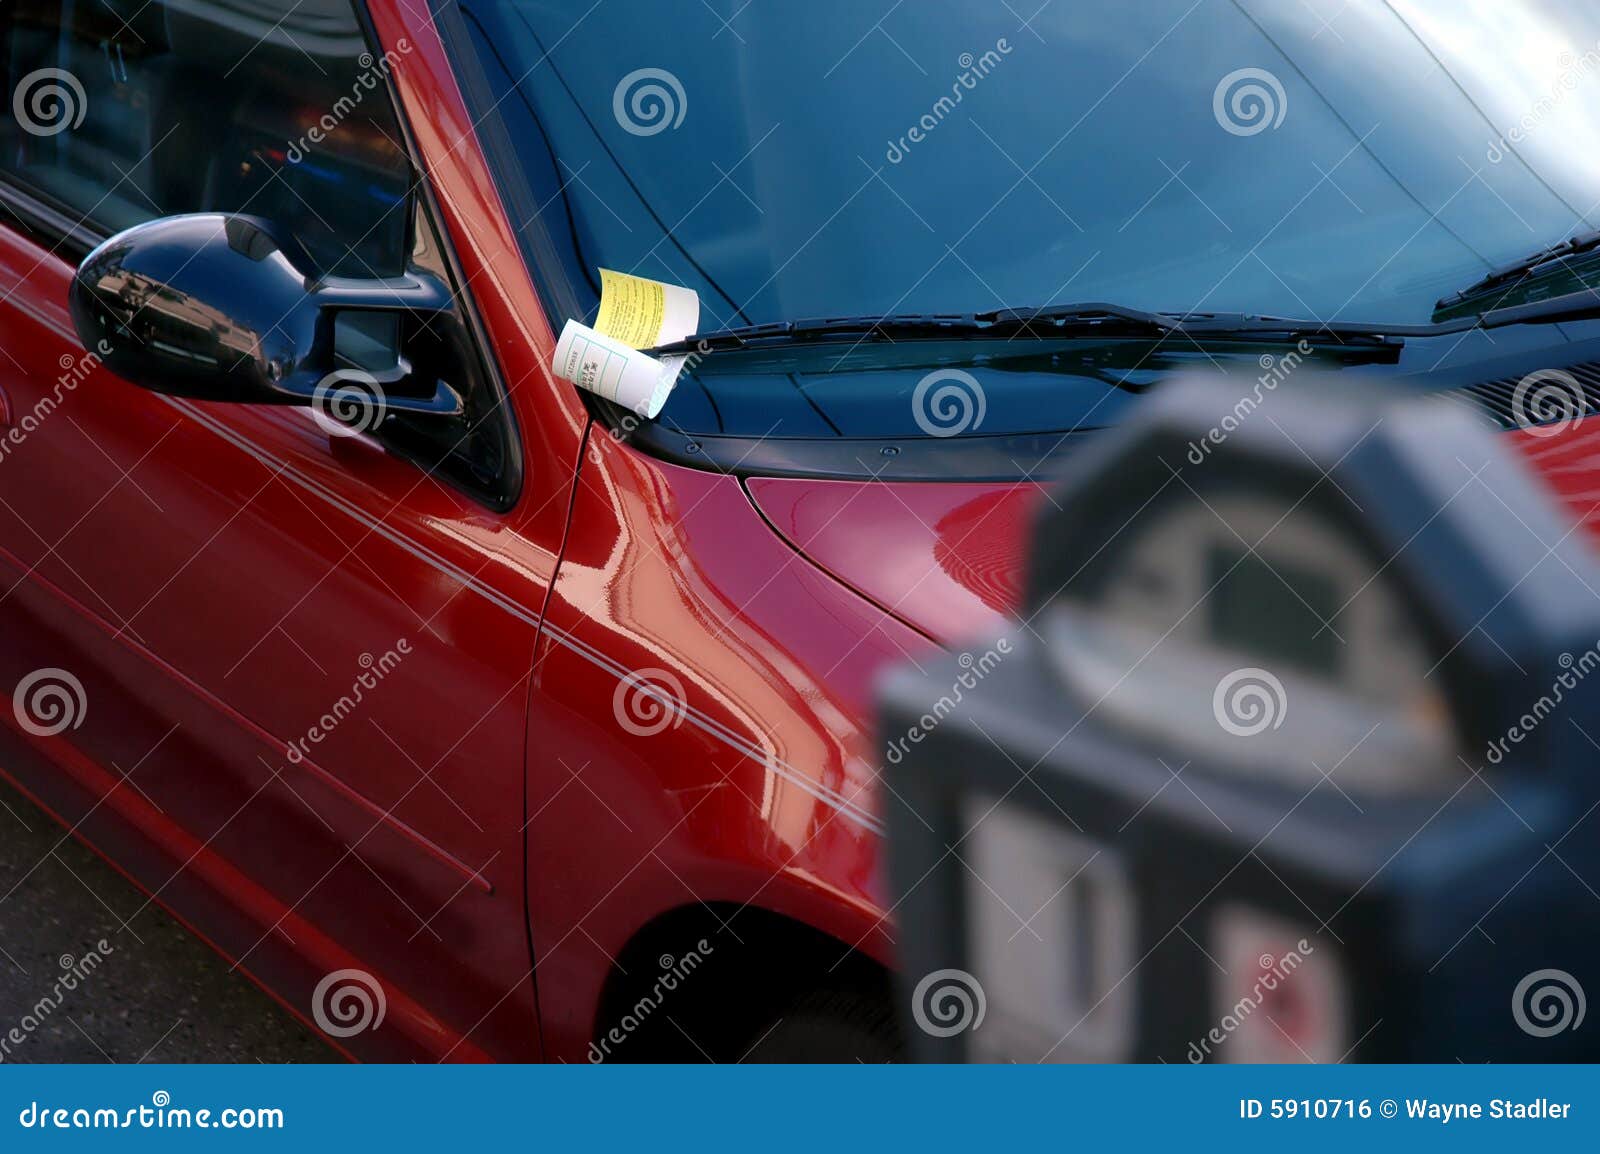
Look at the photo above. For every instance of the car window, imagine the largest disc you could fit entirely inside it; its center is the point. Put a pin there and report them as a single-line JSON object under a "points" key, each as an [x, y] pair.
{"points": [[834, 159], [125, 110]]}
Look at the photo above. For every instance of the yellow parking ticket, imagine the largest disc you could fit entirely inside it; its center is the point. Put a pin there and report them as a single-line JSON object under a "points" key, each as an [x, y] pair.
{"points": [[645, 313], [635, 314]]}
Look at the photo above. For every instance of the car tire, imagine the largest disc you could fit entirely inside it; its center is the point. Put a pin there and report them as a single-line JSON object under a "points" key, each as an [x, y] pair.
{"points": [[831, 1026]]}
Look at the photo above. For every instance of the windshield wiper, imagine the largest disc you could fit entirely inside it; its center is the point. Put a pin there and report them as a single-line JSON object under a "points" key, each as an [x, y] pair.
{"points": [[1055, 322], [1526, 268], [1082, 319]]}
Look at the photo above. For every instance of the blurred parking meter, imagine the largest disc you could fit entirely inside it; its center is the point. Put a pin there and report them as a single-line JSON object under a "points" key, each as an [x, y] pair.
{"points": [[1282, 764]]}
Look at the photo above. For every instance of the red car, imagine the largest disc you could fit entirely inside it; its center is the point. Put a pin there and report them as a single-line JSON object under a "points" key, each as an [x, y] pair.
{"points": [[475, 717]]}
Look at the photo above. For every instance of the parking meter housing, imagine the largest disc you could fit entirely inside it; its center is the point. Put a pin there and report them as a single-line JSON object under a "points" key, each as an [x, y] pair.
{"points": [[1083, 877]]}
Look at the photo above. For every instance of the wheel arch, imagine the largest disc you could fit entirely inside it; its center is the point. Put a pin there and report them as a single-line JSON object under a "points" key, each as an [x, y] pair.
{"points": [[702, 980]]}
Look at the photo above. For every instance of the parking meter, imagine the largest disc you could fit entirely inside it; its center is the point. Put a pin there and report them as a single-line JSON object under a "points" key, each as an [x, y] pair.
{"points": [[1288, 757]]}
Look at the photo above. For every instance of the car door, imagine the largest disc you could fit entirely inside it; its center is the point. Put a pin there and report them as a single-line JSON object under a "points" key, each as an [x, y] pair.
{"points": [[249, 647]]}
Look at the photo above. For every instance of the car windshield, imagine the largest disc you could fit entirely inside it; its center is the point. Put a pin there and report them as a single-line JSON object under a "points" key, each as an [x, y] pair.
{"points": [[1324, 160]]}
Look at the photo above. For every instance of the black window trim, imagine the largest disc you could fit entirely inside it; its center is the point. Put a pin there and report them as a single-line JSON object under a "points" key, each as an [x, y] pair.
{"points": [[46, 220]]}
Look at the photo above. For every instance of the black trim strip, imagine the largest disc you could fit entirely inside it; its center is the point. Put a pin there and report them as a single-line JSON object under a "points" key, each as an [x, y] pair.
{"points": [[47, 222], [1001, 457]]}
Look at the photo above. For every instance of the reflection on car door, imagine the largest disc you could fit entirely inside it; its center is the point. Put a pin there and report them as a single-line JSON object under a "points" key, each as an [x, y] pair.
{"points": [[283, 714]]}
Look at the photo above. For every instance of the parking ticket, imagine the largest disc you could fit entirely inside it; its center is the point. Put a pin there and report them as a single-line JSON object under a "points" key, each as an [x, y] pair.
{"points": [[635, 313], [645, 313]]}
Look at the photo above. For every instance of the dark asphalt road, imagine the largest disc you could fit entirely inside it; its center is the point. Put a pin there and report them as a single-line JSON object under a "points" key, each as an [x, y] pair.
{"points": [[159, 995]]}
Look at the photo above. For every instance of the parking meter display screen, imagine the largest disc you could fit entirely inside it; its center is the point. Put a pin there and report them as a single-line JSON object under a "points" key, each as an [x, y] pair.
{"points": [[1272, 611]]}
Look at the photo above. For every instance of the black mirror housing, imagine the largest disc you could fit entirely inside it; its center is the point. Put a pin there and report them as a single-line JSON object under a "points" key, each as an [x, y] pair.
{"points": [[219, 307]]}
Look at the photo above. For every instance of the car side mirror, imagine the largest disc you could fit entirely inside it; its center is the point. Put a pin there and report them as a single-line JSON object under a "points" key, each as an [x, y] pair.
{"points": [[218, 307]]}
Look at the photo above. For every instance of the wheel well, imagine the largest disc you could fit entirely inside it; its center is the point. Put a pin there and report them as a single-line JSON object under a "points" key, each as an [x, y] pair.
{"points": [[703, 982]]}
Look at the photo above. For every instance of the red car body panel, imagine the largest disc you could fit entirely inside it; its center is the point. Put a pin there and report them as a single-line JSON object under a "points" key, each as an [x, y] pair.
{"points": [[945, 558], [759, 791], [217, 576], [1569, 463], [949, 559], [505, 811]]}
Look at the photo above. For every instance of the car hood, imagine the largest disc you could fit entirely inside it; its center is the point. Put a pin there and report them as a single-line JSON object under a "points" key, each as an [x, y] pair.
{"points": [[945, 558], [949, 559]]}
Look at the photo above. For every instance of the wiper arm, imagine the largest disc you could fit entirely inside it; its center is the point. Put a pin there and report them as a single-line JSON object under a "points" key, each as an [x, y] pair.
{"points": [[1058, 320], [1221, 326], [1531, 265], [1069, 321]]}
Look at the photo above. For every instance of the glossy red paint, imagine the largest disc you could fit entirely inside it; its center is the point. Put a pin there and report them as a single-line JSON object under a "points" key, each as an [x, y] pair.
{"points": [[946, 559], [758, 791], [949, 559], [513, 803], [217, 577], [1569, 462]]}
